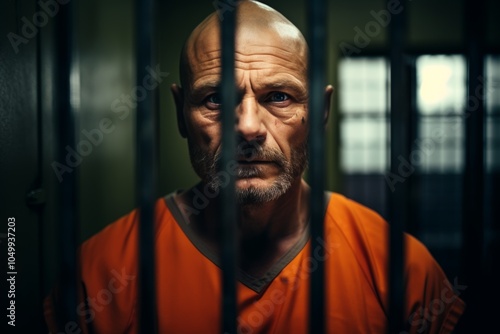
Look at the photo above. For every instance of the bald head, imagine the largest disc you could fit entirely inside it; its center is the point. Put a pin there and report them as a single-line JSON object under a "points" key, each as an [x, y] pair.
{"points": [[256, 24]]}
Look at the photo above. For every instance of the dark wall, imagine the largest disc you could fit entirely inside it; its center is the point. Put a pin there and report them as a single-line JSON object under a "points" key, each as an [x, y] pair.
{"points": [[20, 168]]}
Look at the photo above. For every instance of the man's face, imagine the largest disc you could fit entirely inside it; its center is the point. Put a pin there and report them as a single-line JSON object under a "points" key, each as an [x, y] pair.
{"points": [[271, 114]]}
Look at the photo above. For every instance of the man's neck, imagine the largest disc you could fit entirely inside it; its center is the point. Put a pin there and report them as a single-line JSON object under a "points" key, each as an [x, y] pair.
{"points": [[266, 230], [277, 219]]}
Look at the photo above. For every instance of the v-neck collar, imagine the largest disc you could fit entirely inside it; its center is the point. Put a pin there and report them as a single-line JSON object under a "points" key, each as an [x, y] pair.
{"points": [[257, 284]]}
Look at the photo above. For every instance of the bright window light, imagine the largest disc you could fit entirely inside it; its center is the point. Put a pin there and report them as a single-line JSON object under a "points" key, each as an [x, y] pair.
{"points": [[363, 107], [441, 83]]}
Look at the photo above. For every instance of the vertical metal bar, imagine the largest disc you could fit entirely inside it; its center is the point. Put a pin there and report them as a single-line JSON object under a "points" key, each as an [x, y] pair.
{"points": [[473, 181], [399, 198], [68, 193], [228, 199], [413, 183], [146, 167], [317, 32]]}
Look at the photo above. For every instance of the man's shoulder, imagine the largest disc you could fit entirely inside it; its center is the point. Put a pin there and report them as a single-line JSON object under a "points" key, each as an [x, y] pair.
{"points": [[367, 234], [112, 233], [349, 216], [118, 241]]}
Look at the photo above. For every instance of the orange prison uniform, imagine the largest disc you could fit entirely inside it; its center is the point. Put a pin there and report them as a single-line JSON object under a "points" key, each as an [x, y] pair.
{"points": [[188, 281]]}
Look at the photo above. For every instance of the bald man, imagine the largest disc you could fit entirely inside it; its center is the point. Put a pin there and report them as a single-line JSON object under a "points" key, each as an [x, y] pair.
{"points": [[275, 255]]}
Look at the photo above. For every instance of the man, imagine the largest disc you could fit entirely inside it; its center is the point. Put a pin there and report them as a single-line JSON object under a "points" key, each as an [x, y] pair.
{"points": [[275, 255]]}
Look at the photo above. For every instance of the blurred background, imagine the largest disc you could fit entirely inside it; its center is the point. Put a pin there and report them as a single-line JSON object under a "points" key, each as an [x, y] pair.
{"points": [[357, 138]]}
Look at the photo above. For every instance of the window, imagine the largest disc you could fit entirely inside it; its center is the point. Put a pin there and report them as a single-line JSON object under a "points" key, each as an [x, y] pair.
{"points": [[363, 129], [363, 106], [440, 93], [441, 96]]}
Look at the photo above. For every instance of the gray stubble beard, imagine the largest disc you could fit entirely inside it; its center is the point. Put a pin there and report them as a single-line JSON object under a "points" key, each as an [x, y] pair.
{"points": [[206, 166]]}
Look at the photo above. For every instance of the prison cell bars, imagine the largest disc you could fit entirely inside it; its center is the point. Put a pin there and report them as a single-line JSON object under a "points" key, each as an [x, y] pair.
{"points": [[228, 202], [146, 167], [66, 104], [399, 199], [473, 178], [316, 77]]}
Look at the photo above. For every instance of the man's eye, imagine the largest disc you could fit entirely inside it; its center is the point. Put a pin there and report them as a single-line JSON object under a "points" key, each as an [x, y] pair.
{"points": [[213, 100], [278, 97]]}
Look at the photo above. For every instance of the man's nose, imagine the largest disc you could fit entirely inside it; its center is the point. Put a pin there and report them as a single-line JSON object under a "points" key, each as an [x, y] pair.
{"points": [[249, 123]]}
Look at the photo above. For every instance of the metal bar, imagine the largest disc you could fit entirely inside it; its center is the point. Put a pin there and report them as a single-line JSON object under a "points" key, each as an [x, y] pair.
{"points": [[65, 115], [146, 167], [473, 181], [317, 65], [228, 199], [414, 182], [399, 203]]}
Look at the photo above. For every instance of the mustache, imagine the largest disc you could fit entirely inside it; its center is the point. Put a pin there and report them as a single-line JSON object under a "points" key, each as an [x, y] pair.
{"points": [[253, 152]]}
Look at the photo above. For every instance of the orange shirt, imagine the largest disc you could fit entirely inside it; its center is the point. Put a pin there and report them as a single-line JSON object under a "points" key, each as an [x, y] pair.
{"points": [[189, 287]]}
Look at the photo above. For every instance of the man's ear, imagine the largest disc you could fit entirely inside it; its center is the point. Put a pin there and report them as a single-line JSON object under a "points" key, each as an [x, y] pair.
{"points": [[328, 101], [179, 106]]}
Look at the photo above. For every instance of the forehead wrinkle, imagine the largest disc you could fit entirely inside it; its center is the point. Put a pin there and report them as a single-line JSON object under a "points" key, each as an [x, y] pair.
{"points": [[256, 82], [260, 61], [242, 63], [246, 57], [263, 50], [209, 66], [264, 44], [259, 65], [204, 54]]}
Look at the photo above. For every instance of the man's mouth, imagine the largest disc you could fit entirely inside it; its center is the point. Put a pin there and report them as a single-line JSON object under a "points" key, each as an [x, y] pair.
{"points": [[255, 162]]}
